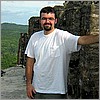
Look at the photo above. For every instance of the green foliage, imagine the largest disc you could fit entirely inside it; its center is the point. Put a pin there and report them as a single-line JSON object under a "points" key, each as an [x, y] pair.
{"points": [[10, 34]]}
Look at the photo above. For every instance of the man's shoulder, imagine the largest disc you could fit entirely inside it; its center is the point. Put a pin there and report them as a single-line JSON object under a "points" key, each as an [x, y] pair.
{"points": [[62, 32], [35, 34]]}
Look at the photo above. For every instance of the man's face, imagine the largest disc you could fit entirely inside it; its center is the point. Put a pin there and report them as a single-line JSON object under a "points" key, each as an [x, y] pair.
{"points": [[48, 21]]}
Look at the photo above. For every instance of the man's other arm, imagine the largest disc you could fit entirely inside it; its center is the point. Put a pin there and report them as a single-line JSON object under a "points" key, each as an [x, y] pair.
{"points": [[29, 76], [90, 39]]}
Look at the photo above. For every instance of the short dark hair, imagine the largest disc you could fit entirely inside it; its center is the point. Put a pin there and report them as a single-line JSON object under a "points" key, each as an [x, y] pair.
{"points": [[48, 10]]}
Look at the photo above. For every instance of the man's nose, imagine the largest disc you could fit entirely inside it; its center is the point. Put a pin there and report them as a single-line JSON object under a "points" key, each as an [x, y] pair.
{"points": [[47, 20]]}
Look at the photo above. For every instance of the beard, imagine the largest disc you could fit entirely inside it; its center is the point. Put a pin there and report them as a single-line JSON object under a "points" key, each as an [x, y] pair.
{"points": [[47, 26]]}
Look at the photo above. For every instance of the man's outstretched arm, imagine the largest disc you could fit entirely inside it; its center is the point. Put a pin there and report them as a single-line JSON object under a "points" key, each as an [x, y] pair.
{"points": [[90, 39]]}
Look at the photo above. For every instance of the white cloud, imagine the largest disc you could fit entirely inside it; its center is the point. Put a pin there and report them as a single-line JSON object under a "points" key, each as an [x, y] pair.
{"points": [[16, 5], [23, 9]]}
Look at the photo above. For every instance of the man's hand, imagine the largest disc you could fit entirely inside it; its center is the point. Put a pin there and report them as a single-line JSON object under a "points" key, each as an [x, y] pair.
{"points": [[30, 91]]}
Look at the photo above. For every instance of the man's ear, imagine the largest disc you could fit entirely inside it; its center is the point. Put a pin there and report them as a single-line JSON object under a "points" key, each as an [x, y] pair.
{"points": [[56, 21]]}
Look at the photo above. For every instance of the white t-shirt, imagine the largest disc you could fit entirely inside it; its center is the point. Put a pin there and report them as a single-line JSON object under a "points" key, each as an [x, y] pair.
{"points": [[52, 53]]}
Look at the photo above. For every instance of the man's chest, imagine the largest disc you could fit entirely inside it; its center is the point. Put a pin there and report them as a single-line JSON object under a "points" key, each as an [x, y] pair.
{"points": [[47, 47]]}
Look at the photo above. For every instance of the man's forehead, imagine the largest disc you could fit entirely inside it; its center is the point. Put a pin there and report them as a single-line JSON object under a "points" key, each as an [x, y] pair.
{"points": [[47, 14]]}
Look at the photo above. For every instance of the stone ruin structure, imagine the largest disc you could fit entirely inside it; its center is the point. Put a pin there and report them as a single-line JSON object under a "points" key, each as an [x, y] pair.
{"points": [[82, 18], [79, 18], [21, 57]]}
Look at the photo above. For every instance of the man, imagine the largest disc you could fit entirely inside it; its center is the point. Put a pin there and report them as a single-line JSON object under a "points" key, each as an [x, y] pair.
{"points": [[48, 55]]}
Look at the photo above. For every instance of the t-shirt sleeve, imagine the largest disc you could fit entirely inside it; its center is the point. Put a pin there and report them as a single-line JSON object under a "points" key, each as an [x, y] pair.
{"points": [[72, 43], [30, 49]]}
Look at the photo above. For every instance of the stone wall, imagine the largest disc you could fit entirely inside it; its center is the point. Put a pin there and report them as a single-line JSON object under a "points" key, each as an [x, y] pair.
{"points": [[34, 25]]}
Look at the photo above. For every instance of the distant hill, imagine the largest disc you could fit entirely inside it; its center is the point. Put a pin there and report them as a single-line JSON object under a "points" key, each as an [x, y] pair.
{"points": [[10, 34], [13, 27]]}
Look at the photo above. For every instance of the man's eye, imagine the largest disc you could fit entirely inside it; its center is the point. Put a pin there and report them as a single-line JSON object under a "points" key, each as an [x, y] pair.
{"points": [[48, 18], [51, 18], [44, 18]]}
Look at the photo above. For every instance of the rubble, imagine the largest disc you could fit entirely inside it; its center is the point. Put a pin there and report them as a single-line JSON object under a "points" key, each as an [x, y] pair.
{"points": [[13, 84]]}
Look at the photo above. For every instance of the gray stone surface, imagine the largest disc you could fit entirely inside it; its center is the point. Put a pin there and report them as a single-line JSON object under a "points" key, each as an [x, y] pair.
{"points": [[13, 84]]}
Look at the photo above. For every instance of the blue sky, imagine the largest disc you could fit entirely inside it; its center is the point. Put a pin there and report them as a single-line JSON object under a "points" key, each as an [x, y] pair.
{"points": [[20, 11]]}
